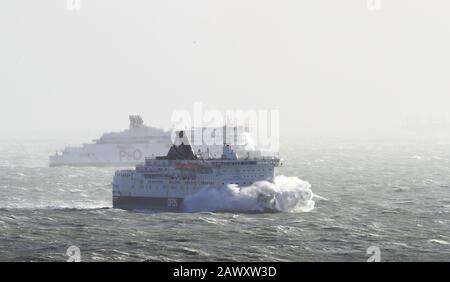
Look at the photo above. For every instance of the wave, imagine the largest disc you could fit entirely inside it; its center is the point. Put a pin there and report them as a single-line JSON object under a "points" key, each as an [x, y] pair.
{"points": [[440, 242], [285, 194], [61, 207]]}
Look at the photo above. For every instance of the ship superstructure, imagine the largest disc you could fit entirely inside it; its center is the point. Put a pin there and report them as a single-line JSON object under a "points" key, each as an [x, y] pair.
{"points": [[162, 183]]}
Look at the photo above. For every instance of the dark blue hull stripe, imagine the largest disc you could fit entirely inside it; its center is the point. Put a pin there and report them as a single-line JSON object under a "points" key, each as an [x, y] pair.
{"points": [[148, 203]]}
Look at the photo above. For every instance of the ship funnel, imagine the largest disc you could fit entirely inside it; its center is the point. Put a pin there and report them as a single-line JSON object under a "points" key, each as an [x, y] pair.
{"points": [[181, 148], [136, 121], [228, 153], [180, 137]]}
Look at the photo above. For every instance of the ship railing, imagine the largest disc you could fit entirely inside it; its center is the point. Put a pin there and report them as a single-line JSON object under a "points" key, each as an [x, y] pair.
{"points": [[124, 172]]}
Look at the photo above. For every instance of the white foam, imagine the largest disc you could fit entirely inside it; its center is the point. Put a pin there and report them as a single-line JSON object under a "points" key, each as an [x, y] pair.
{"points": [[440, 242], [291, 193]]}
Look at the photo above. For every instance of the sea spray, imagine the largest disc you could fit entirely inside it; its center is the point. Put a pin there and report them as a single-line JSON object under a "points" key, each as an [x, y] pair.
{"points": [[291, 194]]}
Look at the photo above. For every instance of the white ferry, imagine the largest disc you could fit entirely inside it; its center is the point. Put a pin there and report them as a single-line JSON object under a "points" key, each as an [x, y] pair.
{"points": [[130, 147], [162, 183]]}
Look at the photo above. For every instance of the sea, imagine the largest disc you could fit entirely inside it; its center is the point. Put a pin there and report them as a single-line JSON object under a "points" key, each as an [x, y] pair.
{"points": [[340, 199]]}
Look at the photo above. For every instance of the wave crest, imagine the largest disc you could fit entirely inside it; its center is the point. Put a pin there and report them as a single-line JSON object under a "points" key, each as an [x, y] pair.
{"points": [[285, 194]]}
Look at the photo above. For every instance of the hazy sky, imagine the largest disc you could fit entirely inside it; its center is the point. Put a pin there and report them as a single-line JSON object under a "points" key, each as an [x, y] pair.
{"points": [[323, 64]]}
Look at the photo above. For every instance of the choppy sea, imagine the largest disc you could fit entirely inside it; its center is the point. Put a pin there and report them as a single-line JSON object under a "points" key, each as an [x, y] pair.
{"points": [[392, 196]]}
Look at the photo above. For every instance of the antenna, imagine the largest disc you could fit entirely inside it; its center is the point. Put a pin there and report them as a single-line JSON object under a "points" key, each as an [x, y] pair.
{"points": [[224, 134]]}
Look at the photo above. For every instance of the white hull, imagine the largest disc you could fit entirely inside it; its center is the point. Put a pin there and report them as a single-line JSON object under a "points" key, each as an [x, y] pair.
{"points": [[108, 154]]}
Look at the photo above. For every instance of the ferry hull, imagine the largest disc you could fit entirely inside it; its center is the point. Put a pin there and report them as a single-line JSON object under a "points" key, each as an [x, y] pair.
{"points": [[166, 205], [108, 155], [148, 203]]}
